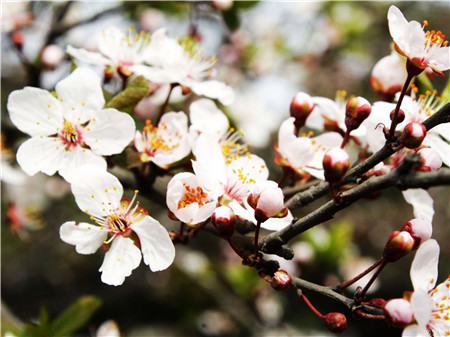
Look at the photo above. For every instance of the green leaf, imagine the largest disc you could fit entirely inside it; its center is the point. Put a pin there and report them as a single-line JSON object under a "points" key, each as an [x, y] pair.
{"points": [[74, 317], [423, 83], [137, 88], [445, 96]]}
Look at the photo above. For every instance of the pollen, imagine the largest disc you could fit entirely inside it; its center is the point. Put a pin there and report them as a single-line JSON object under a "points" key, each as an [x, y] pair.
{"points": [[154, 142], [193, 195], [70, 135]]}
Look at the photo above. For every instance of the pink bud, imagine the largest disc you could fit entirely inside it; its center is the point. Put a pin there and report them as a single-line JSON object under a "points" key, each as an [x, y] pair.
{"points": [[388, 75], [413, 135], [399, 312], [223, 219], [268, 200], [419, 229], [52, 56], [222, 5], [357, 110], [281, 279], [335, 321], [431, 160], [301, 106], [335, 164], [400, 243], [400, 115], [17, 38]]}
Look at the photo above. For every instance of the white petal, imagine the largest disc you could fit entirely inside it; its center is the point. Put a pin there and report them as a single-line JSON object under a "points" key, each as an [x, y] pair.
{"points": [[421, 202], [276, 224], [111, 42], [156, 245], [439, 145], [424, 268], [206, 117], [415, 331], [85, 237], [81, 95], [440, 58], [249, 169], [443, 130], [204, 212], [397, 22], [41, 154], [108, 329], [96, 192], [35, 111], [120, 260], [74, 159], [422, 305], [86, 56], [212, 175], [214, 89], [109, 132]]}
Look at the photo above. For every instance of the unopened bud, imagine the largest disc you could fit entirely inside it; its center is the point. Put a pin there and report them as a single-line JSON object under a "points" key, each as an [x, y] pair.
{"points": [[224, 219], [185, 90], [301, 106], [388, 75], [222, 5], [431, 160], [281, 279], [335, 321], [124, 71], [268, 201], [108, 73], [357, 110], [335, 164], [52, 56], [399, 312], [400, 115], [413, 135], [419, 229], [17, 38], [400, 243]]}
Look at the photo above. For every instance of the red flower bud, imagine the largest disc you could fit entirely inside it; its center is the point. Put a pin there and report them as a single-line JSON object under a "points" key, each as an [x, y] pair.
{"points": [[335, 164], [108, 73], [413, 135], [335, 321], [52, 56], [224, 219], [281, 280], [399, 312], [124, 71], [400, 115], [419, 229], [400, 243], [357, 110], [301, 106], [17, 38]]}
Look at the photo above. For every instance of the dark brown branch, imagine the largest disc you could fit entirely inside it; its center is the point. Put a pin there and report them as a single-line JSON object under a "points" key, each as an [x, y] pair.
{"points": [[397, 178]]}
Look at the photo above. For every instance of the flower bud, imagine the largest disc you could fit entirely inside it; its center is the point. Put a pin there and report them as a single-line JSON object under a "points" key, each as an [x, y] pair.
{"points": [[413, 135], [108, 73], [301, 106], [222, 5], [224, 219], [335, 321], [281, 280], [399, 312], [400, 115], [17, 38], [388, 75], [431, 160], [268, 201], [52, 56], [124, 71], [419, 229], [335, 164], [399, 244], [357, 110]]}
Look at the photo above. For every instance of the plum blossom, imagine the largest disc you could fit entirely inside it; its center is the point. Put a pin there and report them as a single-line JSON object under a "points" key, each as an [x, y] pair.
{"points": [[388, 75], [168, 60], [430, 303], [423, 49], [116, 50], [166, 143], [304, 153], [69, 130], [206, 117], [120, 223], [417, 110]]}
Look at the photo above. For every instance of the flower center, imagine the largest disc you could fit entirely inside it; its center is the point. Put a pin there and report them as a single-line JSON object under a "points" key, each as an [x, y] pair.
{"points": [[153, 142], [434, 37], [71, 135], [428, 104], [231, 146], [191, 195]]}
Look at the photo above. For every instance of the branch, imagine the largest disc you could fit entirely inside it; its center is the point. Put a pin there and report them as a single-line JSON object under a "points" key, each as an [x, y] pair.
{"points": [[397, 178], [303, 198]]}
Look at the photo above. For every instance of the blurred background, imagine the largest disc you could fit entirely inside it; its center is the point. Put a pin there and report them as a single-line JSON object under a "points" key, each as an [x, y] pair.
{"points": [[267, 51]]}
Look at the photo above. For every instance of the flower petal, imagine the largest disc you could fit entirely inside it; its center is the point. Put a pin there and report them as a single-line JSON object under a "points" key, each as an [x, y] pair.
{"points": [[81, 95], [35, 111], [421, 202], [86, 56], [276, 224], [41, 154], [109, 132], [120, 260], [424, 268], [96, 192], [422, 305], [85, 237], [76, 158], [206, 117], [156, 245], [213, 89], [439, 145], [415, 331]]}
